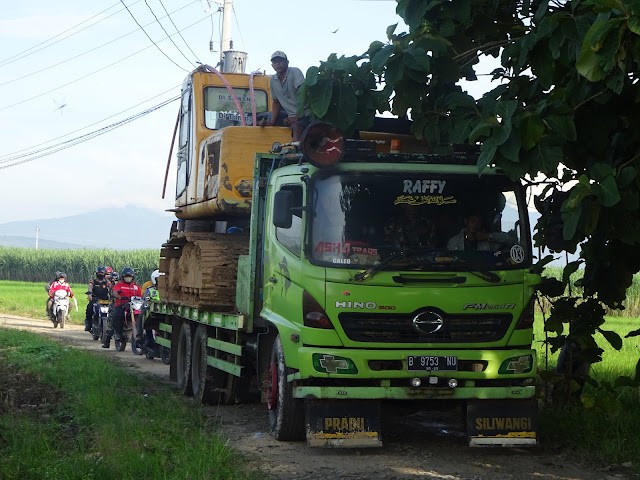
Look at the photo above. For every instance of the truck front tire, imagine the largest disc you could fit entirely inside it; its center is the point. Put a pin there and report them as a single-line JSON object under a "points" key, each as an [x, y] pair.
{"points": [[286, 414]]}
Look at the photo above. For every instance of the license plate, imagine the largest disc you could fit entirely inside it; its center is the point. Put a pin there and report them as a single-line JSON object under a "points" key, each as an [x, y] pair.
{"points": [[432, 363]]}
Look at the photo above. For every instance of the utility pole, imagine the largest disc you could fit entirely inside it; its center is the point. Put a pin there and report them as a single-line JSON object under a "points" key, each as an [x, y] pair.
{"points": [[231, 61], [37, 230]]}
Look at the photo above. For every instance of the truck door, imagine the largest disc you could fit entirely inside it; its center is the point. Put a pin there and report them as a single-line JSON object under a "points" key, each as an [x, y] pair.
{"points": [[283, 250]]}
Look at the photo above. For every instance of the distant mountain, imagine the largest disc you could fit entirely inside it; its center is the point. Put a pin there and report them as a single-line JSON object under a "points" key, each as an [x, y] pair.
{"points": [[126, 228], [30, 242]]}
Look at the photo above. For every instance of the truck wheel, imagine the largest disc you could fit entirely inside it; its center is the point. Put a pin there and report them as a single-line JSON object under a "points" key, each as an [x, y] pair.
{"points": [[166, 355], [183, 360], [201, 373], [61, 314], [286, 414]]}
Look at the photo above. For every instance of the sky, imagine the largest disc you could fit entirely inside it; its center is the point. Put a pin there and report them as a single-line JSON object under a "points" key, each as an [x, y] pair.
{"points": [[71, 67]]}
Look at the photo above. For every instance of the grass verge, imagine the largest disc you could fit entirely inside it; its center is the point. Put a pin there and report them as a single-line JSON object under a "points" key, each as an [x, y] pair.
{"points": [[602, 430], [67, 414]]}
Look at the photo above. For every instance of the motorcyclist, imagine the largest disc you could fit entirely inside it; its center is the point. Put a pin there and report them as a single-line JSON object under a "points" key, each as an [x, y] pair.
{"points": [[99, 289], [50, 299], [59, 284], [150, 293], [122, 292]]}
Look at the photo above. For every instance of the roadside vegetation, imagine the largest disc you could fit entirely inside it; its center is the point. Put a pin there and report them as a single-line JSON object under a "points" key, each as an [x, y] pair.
{"points": [[602, 426], [31, 265], [631, 303], [65, 413]]}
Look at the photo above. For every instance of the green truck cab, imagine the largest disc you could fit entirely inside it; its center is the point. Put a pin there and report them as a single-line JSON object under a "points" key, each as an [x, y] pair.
{"points": [[364, 275]]}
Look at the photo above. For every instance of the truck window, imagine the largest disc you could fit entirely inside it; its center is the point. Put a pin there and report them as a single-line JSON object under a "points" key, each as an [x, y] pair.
{"points": [[220, 110], [291, 238], [439, 222]]}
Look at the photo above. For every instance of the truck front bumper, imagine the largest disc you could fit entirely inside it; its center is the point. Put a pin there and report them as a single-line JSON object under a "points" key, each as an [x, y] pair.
{"points": [[384, 374]]}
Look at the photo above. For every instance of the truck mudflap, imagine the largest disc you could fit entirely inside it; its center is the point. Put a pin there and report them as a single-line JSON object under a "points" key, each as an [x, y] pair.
{"points": [[343, 424], [502, 423]]}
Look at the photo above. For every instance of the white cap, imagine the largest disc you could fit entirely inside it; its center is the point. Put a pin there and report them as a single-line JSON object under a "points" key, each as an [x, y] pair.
{"points": [[279, 53]]}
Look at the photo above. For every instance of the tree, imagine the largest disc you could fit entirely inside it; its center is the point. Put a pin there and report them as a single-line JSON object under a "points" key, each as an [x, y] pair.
{"points": [[565, 109]]}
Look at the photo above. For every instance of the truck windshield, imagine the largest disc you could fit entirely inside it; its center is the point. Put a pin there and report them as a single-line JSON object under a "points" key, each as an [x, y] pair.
{"points": [[220, 109], [438, 222]]}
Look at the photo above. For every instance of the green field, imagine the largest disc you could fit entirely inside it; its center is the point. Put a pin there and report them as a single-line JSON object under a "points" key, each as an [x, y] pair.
{"points": [[28, 299]]}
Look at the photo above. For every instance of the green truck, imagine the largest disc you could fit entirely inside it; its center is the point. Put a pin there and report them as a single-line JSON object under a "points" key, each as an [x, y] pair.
{"points": [[346, 273]]}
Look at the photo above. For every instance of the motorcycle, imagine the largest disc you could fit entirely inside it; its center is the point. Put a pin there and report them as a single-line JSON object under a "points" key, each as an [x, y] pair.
{"points": [[150, 348], [146, 339], [99, 319], [60, 308], [131, 310]]}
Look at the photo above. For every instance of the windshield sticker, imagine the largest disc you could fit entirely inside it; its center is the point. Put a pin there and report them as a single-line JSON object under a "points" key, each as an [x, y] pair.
{"points": [[517, 254], [424, 200], [423, 186], [344, 248]]}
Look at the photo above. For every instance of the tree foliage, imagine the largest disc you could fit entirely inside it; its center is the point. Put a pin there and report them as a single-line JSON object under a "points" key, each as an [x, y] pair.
{"points": [[564, 108]]}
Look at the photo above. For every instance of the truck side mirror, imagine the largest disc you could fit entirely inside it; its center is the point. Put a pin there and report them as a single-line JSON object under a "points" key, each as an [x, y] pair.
{"points": [[282, 204]]}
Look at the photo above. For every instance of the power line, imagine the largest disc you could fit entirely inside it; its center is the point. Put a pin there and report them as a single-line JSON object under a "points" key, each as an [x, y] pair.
{"points": [[20, 55], [145, 32], [14, 155], [46, 69], [73, 81], [167, 34], [90, 136], [235, 15], [92, 73], [177, 30]]}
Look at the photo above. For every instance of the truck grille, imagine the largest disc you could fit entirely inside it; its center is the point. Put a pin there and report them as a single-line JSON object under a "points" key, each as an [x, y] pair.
{"points": [[399, 328]]}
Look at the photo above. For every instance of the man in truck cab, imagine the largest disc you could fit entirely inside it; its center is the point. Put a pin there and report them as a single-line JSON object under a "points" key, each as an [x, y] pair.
{"points": [[284, 96], [474, 236]]}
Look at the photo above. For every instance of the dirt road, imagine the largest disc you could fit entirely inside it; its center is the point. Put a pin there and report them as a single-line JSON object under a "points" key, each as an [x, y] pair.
{"points": [[417, 445]]}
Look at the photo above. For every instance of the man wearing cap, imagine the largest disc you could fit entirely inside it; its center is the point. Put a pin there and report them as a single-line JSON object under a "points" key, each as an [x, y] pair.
{"points": [[284, 95]]}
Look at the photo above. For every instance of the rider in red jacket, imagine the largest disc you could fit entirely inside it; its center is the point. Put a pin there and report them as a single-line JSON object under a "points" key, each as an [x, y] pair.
{"points": [[59, 284], [122, 291]]}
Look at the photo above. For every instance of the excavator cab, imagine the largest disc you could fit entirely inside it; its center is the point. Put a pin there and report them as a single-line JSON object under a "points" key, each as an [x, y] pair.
{"points": [[218, 137]]}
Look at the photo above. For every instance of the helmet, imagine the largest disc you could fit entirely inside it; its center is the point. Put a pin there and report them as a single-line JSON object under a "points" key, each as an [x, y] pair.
{"points": [[127, 272], [101, 269], [154, 276], [60, 275], [109, 270], [113, 276]]}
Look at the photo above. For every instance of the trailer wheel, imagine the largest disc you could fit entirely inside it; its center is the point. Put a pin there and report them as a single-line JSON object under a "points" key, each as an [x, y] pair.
{"points": [[211, 385], [201, 372], [286, 414], [183, 360]]}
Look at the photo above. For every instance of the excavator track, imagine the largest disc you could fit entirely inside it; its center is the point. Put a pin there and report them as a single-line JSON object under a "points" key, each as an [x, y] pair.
{"points": [[200, 269]]}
